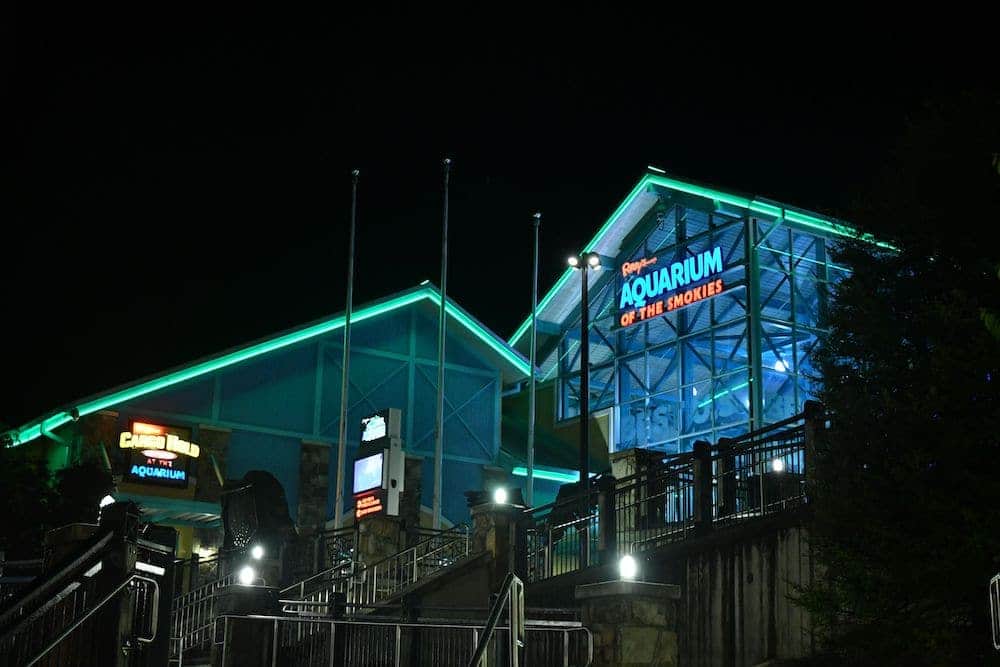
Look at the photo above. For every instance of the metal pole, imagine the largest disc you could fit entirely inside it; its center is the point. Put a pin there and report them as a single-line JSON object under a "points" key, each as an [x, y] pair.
{"points": [[584, 408], [442, 322], [338, 510], [584, 380], [531, 381]]}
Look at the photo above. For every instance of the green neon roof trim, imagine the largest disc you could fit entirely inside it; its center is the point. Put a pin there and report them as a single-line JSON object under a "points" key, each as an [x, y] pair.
{"points": [[35, 429], [756, 205], [551, 475]]}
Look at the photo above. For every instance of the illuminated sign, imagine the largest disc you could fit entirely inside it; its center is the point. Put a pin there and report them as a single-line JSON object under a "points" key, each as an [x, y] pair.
{"points": [[151, 467], [646, 294], [368, 504], [151, 437], [373, 428]]}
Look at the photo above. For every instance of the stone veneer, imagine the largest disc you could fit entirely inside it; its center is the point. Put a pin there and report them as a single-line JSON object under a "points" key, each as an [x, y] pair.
{"points": [[632, 622]]}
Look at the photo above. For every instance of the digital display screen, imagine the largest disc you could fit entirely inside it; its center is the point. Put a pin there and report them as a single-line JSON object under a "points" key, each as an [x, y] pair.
{"points": [[368, 473]]}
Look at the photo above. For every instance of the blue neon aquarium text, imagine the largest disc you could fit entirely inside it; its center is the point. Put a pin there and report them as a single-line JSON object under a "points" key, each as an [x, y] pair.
{"points": [[640, 289], [159, 473]]}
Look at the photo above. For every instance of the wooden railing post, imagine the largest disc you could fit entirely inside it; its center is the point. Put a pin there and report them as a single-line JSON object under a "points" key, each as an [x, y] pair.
{"points": [[607, 540], [727, 478]]}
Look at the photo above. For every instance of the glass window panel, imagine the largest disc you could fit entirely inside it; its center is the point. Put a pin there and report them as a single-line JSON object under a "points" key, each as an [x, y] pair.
{"points": [[632, 378], [602, 388], [807, 245], [730, 305], [569, 390], [808, 391], [807, 295], [696, 411], [632, 339], [569, 352], [696, 317], [772, 258], [779, 238], [697, 360], [775, 295], [663, 368], [731, 348], [695, 222], [632, 425], [776, 347], [664, 417], [805, 346], [663, 329], [779, 396], [732, 242], [731, 398]]}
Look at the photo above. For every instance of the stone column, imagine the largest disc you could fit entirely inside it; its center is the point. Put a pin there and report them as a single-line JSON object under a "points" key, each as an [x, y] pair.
{"points": [[632, 622], [495, 530], [314, 484]]}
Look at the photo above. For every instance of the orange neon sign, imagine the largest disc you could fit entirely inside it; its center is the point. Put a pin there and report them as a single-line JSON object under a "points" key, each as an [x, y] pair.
{"points": [[367, 505], [685, 298]]}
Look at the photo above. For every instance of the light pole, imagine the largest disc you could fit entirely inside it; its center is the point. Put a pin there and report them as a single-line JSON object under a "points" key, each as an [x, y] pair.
{"points": [[585, 261]]}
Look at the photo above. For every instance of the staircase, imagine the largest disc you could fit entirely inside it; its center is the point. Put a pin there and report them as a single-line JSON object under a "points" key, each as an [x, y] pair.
{"points": [[363, 586]]}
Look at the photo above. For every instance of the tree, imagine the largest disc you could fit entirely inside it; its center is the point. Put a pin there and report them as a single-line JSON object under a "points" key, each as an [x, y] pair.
{"points": [[907, 497]]}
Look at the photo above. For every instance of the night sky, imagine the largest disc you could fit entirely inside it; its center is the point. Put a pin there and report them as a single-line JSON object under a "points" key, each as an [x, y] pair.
{"points": [[177, 182]]}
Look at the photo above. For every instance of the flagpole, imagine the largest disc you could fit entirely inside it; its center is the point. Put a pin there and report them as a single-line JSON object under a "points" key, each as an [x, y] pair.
{"points": [[531, 382], [442, 323], [338, 509]]}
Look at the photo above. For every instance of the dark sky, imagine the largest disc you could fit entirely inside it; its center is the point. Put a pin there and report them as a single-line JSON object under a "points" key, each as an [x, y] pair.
{"points": [[177, 180]]}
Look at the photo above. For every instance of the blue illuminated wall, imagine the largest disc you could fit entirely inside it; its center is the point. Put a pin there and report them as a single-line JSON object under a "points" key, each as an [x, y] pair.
{"points": [[271, 403], [718, 367]]}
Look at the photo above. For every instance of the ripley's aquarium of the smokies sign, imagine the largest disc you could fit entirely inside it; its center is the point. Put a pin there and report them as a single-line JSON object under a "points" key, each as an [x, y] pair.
{"points": [[650, 289]]}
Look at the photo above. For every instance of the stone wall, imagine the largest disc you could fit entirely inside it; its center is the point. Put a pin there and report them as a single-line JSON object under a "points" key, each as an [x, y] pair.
{"points": [[738, 606]]}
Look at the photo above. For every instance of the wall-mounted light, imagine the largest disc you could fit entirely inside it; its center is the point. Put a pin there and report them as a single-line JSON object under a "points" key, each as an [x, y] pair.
{"points": [[627, 568], [247, 575]]}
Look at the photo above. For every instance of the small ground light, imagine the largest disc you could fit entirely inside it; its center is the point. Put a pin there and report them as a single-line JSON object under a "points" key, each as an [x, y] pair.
{"points": [[627, 567], [500, 496], [777, 465], [247, 575], [257, 552]]}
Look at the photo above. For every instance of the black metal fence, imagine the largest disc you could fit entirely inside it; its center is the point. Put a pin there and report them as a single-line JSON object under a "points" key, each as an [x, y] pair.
{"points": [[761, 473]]}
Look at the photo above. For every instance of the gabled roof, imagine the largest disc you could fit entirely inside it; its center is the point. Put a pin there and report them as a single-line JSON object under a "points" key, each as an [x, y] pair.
{"points": [[563, 298], [511, 363]]}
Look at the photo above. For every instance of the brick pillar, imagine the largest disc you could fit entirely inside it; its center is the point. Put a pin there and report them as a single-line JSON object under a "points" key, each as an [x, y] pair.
{"points": [[632, 622], [314, 484], [409, 499]]}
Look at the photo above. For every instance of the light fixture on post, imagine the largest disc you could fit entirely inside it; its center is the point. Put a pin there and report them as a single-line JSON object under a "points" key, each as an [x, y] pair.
{"points": [[584, 262]]}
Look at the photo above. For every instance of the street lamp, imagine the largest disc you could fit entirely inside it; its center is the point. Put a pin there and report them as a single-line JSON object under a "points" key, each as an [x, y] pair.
{"points": [[583, 262]]}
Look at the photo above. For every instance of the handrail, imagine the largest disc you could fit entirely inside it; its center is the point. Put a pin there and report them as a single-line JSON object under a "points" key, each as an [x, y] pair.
{"points": [[52, 581], [154, 623], [459, 531], [511, 591]]}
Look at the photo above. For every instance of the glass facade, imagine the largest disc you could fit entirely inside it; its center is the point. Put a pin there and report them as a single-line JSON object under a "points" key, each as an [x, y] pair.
{"points": [[718, 366]]}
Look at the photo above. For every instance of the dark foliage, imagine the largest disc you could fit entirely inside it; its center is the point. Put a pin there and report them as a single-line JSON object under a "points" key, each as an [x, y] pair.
{"points": [[908, 481]]}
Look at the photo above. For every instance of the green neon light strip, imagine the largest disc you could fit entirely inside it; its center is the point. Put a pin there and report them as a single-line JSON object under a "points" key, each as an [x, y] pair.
{"points": [[804, 219], [550, 475], [723, 393], [35, 430]]}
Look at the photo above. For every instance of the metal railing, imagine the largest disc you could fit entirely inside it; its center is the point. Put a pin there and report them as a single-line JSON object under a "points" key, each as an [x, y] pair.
{"points": [[299, 642], [51, 631], [192, 616], [761, 473], [651, 509], [512, 596], [369, 585], [562, 536], [995, 610]]}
